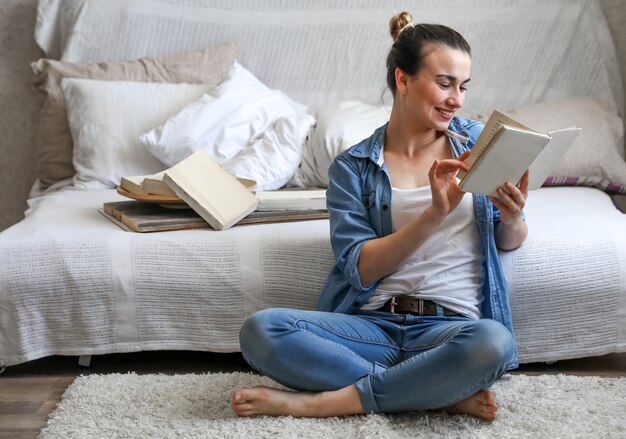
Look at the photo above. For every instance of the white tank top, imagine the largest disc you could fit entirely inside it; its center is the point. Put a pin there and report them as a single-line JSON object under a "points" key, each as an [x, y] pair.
{"points": [[447, 268]]}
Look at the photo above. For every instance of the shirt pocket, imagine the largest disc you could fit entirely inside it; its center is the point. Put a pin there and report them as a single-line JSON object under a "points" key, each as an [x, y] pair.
{"points": [[369, 200]]}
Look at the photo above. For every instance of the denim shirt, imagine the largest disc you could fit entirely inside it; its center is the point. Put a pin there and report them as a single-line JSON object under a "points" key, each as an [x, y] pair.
{"points": [[359, 205]]}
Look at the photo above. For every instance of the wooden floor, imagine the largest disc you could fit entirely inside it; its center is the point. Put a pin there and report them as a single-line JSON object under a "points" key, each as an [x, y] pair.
{"points": [[29, 392]]}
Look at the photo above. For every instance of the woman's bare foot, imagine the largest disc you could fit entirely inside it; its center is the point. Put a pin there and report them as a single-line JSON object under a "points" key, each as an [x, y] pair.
{"points": [[481, 404], [262, 400]]}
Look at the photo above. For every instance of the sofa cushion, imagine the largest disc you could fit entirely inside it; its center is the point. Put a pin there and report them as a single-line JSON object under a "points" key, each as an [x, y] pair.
{"points": [[106, 119], [338, 127], [253, 131]]}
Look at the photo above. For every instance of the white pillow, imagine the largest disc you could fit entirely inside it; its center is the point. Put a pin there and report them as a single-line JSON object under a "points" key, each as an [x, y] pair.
{"points": [[222, 123], [106, 119], [274, 158], [596, 158], [338, 127]]}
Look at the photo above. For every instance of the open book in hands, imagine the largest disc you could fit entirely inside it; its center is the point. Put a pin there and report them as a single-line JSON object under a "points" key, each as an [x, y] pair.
{"points": [[506, 149]]}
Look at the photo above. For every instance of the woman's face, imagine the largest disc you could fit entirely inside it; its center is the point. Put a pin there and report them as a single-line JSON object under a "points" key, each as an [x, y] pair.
{"points": [[437, 91]]}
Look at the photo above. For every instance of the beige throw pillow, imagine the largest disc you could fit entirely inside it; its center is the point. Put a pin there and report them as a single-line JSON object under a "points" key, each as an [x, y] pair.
{"points": [[54, 141]]}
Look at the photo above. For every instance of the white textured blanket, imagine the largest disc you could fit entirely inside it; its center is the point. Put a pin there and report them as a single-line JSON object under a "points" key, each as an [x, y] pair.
{"points": [[73, 283], [327, 51], [568, 281]]}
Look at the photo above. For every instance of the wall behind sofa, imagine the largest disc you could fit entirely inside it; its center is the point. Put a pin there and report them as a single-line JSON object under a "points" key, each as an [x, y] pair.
{"points": [[18, 100], [18, 107]]}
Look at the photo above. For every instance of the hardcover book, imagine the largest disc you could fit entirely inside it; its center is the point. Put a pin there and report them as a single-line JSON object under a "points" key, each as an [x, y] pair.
{"points": [[506, 149], [292, 199], [198, 192], [210, 190], [139, 216], [153, 185]]}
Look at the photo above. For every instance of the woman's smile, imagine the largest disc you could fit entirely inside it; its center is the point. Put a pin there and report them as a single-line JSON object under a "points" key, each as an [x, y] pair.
{"points": [[445, 114]]}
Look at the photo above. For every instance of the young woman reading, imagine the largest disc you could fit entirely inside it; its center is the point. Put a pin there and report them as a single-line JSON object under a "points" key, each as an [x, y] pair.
{"points": [[414, 315]]}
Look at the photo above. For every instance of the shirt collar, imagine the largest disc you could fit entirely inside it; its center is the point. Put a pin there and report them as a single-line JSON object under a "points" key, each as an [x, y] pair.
{"points": [[374, 147]]}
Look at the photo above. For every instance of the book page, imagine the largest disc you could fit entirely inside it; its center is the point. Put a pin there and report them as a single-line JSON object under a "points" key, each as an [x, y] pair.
{"points": [[154, 184], [549, 157], [507, 158], [289, 199], [216, 195], [133, 184], [137, 184], [493, 125], [506, 149]]}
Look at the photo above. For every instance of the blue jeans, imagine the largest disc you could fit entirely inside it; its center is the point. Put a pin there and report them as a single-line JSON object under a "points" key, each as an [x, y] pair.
{"points": [[397, 362]]}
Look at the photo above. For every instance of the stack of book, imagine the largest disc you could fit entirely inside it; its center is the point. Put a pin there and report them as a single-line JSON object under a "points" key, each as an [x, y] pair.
{"points": [[198, 192]]}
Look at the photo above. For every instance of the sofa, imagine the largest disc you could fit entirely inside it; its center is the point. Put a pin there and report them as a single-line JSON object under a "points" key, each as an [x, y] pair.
{"points": [[274, 90]]}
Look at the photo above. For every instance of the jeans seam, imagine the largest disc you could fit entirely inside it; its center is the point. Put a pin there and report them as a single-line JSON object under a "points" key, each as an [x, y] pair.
{"points": [[351, 352], [437, 344], [376, 342]]}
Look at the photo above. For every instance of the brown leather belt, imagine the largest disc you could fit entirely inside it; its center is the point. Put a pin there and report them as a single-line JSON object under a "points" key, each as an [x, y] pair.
{"points": [[418, 307]]}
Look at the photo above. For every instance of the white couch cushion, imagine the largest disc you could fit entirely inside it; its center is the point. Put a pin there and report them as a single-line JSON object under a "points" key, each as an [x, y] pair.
{"points": [[338, 127], [253, 131]]}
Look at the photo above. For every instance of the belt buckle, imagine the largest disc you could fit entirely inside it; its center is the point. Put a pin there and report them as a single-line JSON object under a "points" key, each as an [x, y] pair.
{"points": [[392, 305], [420, 307]]}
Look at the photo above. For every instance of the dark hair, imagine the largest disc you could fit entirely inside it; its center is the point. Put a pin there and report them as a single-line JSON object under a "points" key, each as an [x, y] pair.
{"points": [[407, 50]]}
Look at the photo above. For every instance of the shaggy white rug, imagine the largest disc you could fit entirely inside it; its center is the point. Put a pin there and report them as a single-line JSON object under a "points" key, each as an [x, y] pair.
{"points": [[197, 406]]}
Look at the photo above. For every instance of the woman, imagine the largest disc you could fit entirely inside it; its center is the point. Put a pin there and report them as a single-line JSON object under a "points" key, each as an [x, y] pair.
{"points": [[414, 315]]}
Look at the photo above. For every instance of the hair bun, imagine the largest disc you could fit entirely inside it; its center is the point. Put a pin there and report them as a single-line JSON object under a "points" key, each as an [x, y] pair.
{"points": [[399, 22]]}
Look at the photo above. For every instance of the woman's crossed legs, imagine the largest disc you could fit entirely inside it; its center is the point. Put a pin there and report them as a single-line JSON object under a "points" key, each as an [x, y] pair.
{"points": [[371, 362]]}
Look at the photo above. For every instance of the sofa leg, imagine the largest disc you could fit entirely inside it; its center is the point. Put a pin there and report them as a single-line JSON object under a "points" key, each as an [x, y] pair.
{"points": [[84, 360]]}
